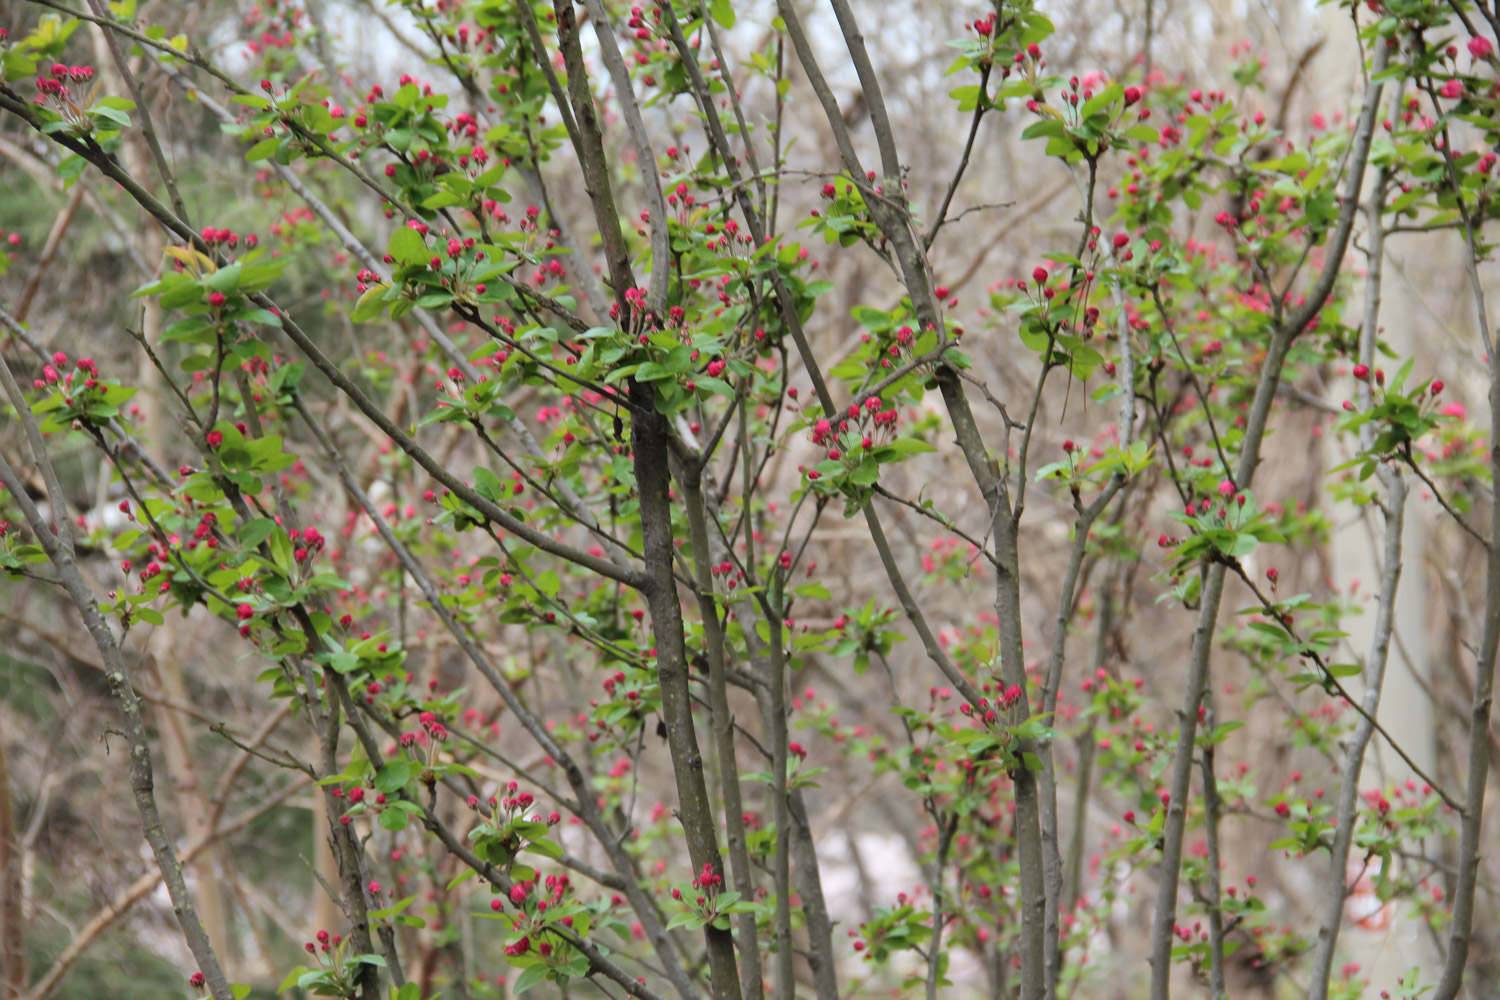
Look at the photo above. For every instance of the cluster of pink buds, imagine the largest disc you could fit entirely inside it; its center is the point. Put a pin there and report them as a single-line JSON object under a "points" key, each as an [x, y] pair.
{"points": [[732, 574], [987, 712], [557, 887], [464, 124], [471, 35], [204, 531], [58, 76], [433, 727], [708, 880], [1081, 89], [1100, 680], [1040, 276], [52, 374], [214, 236], [637, 21], [308, 541], [157, 554], [728, 235], [356, 796], [903, 338], [549, 270], [323, 942], [513, 801], [680, 196], [1377, 801], [614, 679], [635, 306], [871, 418]]}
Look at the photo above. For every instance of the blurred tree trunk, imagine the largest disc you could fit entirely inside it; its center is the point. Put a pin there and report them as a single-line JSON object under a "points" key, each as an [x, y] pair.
{"points": [[166, 641], [12, 927]]}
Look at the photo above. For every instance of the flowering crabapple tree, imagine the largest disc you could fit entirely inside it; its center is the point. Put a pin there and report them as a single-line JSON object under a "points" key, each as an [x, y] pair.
{"points": [[561, 463]]}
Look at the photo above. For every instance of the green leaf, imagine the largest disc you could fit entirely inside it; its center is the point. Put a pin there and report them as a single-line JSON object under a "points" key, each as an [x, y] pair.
{"points": [[1048, 127], [394, 776], [1222, 730], [902, 447], [263, 150], [723, 12], [260, 317], [434, 300], [653, 371], [408, 248], [533, 976], [1242, 546], [225, 279], [441, 199], [685, 919], [115, 115], [370, 305], [292, 978], [545, 848], [488, 485]]}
